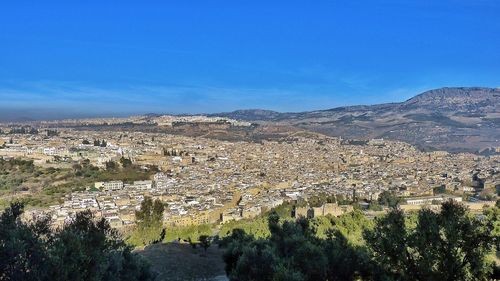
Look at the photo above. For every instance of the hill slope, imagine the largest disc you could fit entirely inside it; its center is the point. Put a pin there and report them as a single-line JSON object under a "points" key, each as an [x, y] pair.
{"points": [[454, 119]]}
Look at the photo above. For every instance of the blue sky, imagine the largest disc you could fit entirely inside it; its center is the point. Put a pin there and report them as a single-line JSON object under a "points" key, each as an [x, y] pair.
{"points": [[65, 58]]}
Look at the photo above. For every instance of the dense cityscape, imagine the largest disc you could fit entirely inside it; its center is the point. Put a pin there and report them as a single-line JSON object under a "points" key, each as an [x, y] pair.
{"points": [[206, 181]]}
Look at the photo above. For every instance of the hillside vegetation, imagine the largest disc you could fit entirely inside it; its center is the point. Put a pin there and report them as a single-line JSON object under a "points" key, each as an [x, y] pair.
{"points": [[85, 249], [38, 186], [450, 244], [431, 246]]}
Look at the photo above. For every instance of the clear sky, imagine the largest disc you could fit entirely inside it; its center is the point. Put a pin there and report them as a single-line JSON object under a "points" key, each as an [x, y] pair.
{"points": [[64, 58]]}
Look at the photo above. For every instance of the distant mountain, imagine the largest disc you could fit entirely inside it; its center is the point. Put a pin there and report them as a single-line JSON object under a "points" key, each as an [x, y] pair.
{"points": [[457, 99], [250, 114], [455, 119], [152, 115]]}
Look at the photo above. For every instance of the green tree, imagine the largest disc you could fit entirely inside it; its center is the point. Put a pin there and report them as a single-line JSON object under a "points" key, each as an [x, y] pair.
{"points": [[111, 165], [85, 249], [292, 252], [22, 247], [374, 206], [345, 261], [448, 245], [439, 189], [205, 242], [149, 219], [256, 263], [150, 214], [389, 199], [89, 249], [234, 245], [126, 162], [493, 216]]}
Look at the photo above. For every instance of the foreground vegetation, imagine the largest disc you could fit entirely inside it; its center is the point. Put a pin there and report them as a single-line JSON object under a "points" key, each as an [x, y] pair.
{"points": [[351, 225], [85, 249], [447, 245], [451, 244]]}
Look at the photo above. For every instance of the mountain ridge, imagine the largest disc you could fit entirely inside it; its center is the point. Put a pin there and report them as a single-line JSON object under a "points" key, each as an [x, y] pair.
{"points": [[435, 93], [449, 118]]}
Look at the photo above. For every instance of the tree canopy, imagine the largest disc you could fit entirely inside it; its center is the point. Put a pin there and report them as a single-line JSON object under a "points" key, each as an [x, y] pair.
{"points": [[149, 219], [450, 244], [446, 245], [388, 199], [292, 252], [84, 249]]}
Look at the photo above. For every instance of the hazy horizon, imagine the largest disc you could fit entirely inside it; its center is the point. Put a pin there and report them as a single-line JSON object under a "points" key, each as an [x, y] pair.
{"points": [[47, 113]]}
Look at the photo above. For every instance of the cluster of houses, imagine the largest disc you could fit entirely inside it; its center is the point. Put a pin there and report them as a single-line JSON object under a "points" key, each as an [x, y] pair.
{"points": [[206, 180]]}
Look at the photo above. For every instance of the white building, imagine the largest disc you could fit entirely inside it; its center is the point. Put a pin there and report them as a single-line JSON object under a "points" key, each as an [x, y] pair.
{"points": [[431, 200], [109, 186]]}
